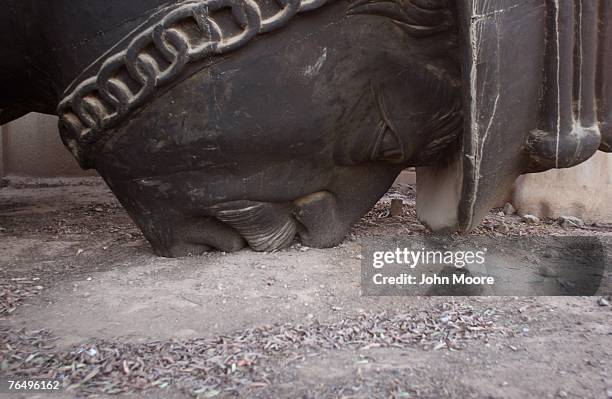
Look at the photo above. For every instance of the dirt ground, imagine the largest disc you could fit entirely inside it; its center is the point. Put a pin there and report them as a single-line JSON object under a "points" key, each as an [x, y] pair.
{"points": [[83, 297]]}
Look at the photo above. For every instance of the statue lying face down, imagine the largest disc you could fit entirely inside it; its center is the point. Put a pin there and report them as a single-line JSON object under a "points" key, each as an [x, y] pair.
{"points": [[221, 124]]}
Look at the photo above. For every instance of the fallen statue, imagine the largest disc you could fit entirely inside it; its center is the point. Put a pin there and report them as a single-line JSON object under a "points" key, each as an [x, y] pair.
{"points": [[221, 124]]}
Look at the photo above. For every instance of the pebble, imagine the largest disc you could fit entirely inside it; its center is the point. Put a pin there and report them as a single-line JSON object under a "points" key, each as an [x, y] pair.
{"points": [[562, 394], [531, 219], [609, 393], [568, 222], [509, 209], [603, 302], [397, 207]]}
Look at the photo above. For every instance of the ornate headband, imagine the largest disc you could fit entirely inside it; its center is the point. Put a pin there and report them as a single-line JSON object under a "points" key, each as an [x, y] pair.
{"points": [[106, 99]]}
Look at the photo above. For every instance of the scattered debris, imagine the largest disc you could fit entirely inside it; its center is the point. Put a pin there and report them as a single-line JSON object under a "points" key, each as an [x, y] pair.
{"points": [[509, 210], [231, 363], [503, 228], [570, 222], [13, 292], [531, 219]]}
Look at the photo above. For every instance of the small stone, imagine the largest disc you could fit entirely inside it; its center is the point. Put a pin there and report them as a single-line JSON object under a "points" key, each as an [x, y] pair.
{"points": [[562, 394], [89, 279], [531, 219], [39, 287], [504, 384], [86, 295], [609, 393], [571, 222], [397, 207], [509, 209], [360, 257], [603, 302]]}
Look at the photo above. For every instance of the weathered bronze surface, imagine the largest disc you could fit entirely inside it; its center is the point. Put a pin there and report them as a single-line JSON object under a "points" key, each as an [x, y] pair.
{"points": [[226, 123]]}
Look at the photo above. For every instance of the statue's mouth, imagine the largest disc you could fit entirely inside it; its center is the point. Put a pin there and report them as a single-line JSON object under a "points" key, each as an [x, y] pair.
{"points": [[265, 226], [268, 226]]}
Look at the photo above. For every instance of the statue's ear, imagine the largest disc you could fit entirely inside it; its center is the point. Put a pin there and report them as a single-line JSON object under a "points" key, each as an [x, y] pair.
{"points": [[529, 81]]}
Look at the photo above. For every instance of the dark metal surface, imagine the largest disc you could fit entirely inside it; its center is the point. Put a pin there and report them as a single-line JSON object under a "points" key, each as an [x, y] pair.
{"points": [[225, 123]]}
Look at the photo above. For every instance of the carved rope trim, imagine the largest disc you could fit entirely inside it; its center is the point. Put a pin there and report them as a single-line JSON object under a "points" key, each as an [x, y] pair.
{"points": [[101, 102]]}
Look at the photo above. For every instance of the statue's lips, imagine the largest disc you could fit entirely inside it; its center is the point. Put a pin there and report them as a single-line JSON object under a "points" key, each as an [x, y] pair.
{"points": [[271, 226]]}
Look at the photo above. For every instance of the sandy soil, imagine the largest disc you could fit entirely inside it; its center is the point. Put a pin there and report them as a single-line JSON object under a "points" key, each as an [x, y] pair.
{"points": [[83, 295]]}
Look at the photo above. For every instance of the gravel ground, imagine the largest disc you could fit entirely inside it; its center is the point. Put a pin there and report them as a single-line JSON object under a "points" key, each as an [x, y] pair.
{"points": [[83, 298]]}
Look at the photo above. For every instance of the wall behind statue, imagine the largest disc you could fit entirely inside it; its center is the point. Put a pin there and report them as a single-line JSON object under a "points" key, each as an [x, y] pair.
{"points": [[584, 191], [31, 147]]}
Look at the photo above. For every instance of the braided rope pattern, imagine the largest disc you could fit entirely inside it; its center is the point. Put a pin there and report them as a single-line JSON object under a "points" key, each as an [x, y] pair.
{"points": [[103, 101]]}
